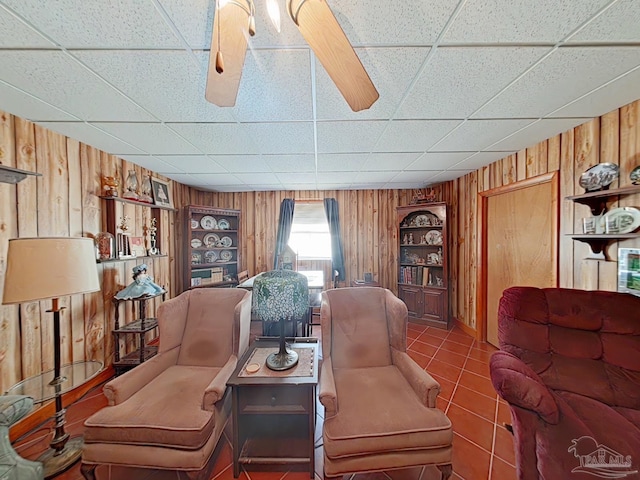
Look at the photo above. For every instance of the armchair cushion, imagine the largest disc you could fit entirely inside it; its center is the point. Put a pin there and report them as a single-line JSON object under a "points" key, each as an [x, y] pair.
{"points": [[368, 423], [164, 412]]}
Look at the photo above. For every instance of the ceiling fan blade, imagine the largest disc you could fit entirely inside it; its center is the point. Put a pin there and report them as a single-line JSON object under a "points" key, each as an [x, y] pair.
{"points": [[233, 23], [323, 33]]}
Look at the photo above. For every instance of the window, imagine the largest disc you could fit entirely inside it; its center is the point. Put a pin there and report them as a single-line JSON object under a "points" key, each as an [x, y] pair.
{"points": [[310, 237]]}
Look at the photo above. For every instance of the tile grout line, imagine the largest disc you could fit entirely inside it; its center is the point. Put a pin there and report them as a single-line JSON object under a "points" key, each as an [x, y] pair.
{"points": [[493, 444]]}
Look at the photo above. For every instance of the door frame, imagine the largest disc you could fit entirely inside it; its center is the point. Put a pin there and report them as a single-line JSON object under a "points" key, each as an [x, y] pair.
{"points": [[483, 200]]}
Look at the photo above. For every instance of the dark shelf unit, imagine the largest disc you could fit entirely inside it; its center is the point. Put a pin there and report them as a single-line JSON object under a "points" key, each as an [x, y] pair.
{"points": [[139, 328], [598, 204], [423, 275]]}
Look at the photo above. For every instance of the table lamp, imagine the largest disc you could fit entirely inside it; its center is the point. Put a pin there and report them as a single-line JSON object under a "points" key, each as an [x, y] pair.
{"points": [[278, 296], [43, 268]]}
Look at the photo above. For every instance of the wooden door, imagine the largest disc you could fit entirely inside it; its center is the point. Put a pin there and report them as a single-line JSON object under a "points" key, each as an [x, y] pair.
{"points": [[520, 242]]}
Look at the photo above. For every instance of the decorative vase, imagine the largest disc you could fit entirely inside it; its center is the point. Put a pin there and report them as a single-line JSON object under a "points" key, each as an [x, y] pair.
{"points": [[131, 185], [105, 244], [145, 190]]}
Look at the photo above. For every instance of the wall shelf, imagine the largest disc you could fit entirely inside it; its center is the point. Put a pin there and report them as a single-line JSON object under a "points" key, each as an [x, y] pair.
{"points": [[597, 201], [14, 175], [143, 204]]}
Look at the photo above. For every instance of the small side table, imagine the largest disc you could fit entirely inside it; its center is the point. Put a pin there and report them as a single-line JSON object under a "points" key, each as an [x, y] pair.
{"points": [[274, 413]]}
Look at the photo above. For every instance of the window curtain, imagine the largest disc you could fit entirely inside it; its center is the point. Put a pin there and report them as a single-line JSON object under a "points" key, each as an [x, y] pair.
{"points": [[333, 219], [284, 228]]}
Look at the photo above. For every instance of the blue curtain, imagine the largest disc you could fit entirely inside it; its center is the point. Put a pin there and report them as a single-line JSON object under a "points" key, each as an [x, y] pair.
{"points": [[284, 228], [333, 218]]}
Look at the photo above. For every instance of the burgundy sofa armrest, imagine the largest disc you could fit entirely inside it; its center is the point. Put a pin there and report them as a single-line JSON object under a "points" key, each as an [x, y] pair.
{"points": [[215, 390], [121, 388], [425, 386], [328, 396], [519, 385]]}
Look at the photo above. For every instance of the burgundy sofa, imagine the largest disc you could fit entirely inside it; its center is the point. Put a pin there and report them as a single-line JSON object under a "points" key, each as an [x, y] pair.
{"points": [[569, 367]]}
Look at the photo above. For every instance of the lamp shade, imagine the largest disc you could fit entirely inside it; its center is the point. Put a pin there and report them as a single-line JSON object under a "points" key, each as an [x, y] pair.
{"points": [[49, 267], [280, 294]]}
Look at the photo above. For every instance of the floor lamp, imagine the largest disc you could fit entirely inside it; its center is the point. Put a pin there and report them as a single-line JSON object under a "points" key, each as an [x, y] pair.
{"points": [[50, 268]]}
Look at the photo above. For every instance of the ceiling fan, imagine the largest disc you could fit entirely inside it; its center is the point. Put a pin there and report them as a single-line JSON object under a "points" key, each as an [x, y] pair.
{"points": [[235, 19]]}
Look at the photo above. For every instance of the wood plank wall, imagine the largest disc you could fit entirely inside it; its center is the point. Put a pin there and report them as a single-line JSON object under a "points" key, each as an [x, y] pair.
{"points": [[614, 137], [64, 201]]}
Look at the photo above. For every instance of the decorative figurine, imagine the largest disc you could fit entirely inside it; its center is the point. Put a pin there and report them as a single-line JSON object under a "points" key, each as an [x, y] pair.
{"points": [[142, 285], [131, 185], [110, 186], [153, 250], [145, 190], [411, 239]]}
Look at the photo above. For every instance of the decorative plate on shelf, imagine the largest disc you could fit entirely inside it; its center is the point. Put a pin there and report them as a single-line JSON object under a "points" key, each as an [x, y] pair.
{"points": [[226, 255], [194, 223], [226, 241], [634, 176], [599, 176], [210, 256], [196, 243], [620, 220], [433, 237], [196, 258], [208, 222], [421, 221], [223, 224], [211, 240]]}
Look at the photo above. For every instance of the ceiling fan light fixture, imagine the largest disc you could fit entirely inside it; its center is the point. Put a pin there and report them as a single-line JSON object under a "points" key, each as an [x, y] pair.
{"points": [[273, 9]]}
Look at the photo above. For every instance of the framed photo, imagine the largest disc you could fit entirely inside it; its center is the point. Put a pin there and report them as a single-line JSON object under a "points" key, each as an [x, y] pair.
{"points": [[161, 193], [137, 246]]}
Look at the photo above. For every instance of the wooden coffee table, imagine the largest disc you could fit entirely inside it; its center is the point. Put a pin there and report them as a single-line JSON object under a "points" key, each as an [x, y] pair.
{"points": [[274, 413]]}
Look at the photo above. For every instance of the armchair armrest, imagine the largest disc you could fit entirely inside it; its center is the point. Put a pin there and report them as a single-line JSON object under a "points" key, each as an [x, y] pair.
{"points": [[519, 385], [425, 386], [215, 390], [121, 388], [328, 396]]}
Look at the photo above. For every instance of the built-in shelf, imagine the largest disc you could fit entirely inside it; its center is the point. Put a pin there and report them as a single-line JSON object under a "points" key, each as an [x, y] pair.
{"points": [[114, 260], [597, 201], [144, 204], [14, 175]]}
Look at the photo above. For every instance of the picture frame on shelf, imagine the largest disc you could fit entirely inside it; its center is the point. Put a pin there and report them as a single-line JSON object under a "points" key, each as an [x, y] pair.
{"points": [[161, 193], [137, 246]]}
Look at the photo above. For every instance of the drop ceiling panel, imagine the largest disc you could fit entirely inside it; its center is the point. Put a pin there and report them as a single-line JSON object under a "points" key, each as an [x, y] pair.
{"points": [[14, 33], [438, 160], [480, 160], [619, 23], [241, 163], [151, 77], [58, 79], [448, 175], [340, 178], [341, 162], [152, 163], [390, 161], [275, 86], [290, 163], [193, 19], [87, 24], [282, 138], [391, 70], [297, 178], [258, 177], [20, 103], [375, 177], [497, 21], [150, 137], [414, 135], [92, 136], [192, 163], [217, 138], [469, 76], [415, 178], [215, 179], [536, 132], [602, 100], [547, 87], [340, 137], [479, 134]]}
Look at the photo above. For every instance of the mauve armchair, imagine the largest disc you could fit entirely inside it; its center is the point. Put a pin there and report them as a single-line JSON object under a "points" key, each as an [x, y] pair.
{"points": [[169, 412], [380, 406]]}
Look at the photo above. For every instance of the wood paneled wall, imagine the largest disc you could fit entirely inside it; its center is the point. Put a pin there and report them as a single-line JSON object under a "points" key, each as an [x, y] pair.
{"points": [[614, 137], [65, 202]]}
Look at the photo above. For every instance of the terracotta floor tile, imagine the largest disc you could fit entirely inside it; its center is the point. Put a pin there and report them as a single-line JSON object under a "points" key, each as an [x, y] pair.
{"points": [[423, 348], [477, 367], [475, 402], [480, 355], [502, 471], [416, 328], [471, 426], [419, 358], [478, 383], [444, 370], [437, 332], [504, 445], [459, 336], [442, 403], [431, 340], [487, 347], [446, 386], [469, 461], [450, 358], [504, 414], [454, 347], [412, 334]]}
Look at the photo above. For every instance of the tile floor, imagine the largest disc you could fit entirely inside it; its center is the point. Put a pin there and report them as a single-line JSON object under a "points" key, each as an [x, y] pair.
{"points": [[483, 448]]}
